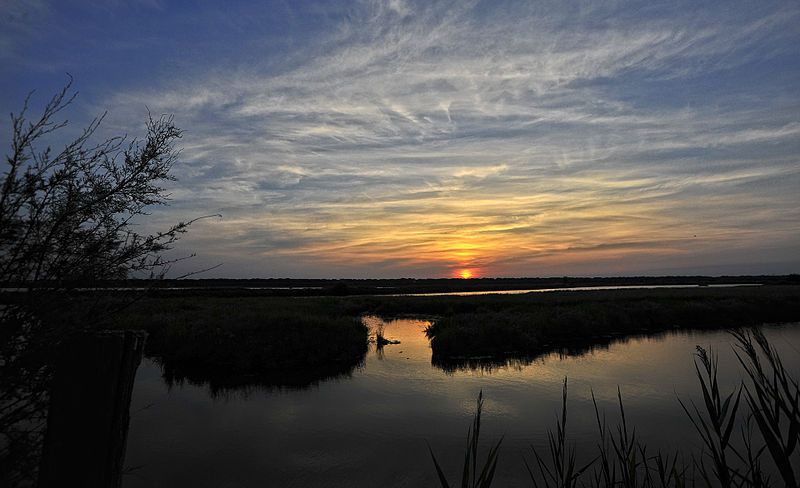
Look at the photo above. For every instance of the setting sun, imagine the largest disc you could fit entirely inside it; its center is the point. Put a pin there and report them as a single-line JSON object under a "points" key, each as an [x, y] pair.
{"points": [[465, 273]]}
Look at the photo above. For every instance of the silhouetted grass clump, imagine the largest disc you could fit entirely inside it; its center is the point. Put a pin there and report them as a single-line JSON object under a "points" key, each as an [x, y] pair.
{"points": [[528, 324], [231, 342], [488, 333]]}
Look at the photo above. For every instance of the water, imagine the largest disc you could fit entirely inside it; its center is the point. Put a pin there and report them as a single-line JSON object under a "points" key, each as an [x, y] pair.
{"points": [[371, 428], [571, 288]]}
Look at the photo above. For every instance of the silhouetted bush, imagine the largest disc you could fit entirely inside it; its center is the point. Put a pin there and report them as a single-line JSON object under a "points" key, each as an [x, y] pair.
{"points": [[66, 216]]}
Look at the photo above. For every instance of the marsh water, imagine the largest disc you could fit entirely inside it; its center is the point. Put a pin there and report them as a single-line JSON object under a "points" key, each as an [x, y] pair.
{"points": [[370, 428], [571, 288]]}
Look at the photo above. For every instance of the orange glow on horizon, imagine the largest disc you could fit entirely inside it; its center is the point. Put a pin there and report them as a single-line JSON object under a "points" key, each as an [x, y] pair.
{"points": [[472, 238]]}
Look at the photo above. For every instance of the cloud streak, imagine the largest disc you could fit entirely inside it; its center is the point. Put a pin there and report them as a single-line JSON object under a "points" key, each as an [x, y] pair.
{"points": [[419, 138]]}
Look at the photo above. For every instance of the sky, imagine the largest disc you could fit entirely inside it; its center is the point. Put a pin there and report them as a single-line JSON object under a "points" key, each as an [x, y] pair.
{"points": [[400, 138]]}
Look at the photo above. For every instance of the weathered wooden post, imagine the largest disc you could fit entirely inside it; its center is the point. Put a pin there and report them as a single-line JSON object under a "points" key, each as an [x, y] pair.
{"points": [[87, 421]]}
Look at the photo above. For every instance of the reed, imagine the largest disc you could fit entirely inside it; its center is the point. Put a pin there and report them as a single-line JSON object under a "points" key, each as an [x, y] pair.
{"points": [[773, 397], [715, 423], [470, 477], [559, 471]]}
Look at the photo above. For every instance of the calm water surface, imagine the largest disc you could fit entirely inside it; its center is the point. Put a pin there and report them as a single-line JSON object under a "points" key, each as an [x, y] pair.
{"points": [[571, 288], [370, 429]]}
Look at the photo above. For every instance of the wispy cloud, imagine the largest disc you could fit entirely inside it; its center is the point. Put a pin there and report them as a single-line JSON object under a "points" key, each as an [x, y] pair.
{"points": [[416, 138]]}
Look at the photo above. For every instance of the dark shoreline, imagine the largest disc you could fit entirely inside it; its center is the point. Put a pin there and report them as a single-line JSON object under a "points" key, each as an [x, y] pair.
{"points": [[230, 339], [350, 287], [214, 337]]}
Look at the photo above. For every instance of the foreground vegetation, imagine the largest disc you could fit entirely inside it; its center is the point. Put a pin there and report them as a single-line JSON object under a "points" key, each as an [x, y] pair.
{"points": [[750, 436], [233, 342]]}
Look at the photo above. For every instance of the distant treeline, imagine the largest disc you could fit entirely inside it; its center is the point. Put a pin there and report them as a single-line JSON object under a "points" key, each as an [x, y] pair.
{"points": [[344, 287]]}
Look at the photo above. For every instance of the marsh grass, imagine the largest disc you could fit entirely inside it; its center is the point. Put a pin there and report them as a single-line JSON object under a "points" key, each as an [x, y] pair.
{"points": [[323, 329], [560, 469], [235, 342], [749, 435], [715, 421], [773, 397], [504, 326]]}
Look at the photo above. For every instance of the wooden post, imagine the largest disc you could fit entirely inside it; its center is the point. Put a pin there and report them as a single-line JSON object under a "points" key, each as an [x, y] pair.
{"points": [[87, 421]]}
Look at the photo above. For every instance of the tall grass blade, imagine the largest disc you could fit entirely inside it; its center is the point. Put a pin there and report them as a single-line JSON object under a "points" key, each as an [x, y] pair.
{"points": [[469, 474], [439, 472]]}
